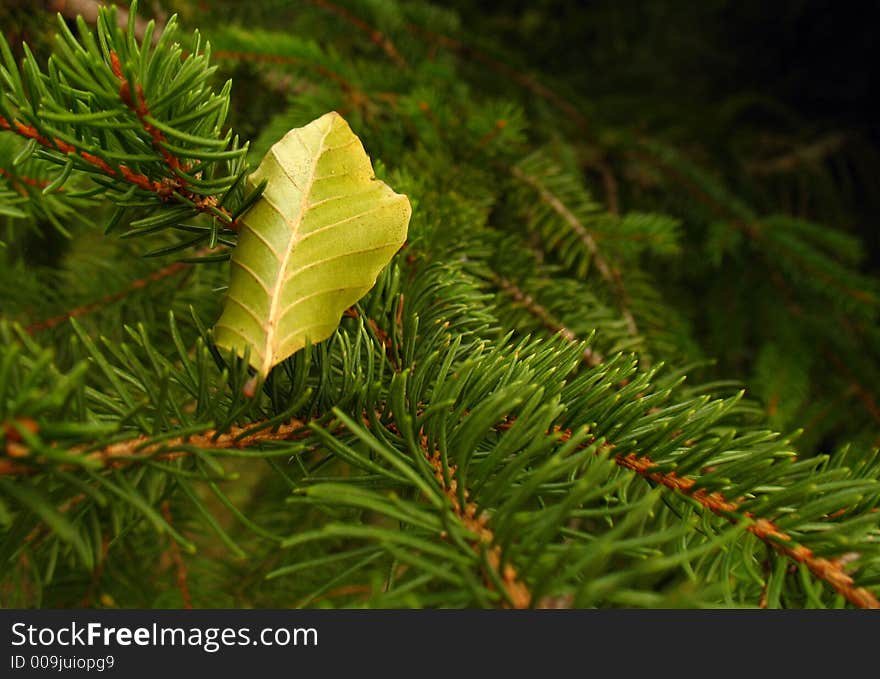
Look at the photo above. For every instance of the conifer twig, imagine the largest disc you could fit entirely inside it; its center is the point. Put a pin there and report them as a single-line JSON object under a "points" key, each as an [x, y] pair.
{"points": [[376, 36], [123, 171], [137, 103], [137, 284], [829, 571], [609, 273], [810, 154], [517, 76], [591, 357], [139, 448], [516, 591], [164, 189], [16, 181]]}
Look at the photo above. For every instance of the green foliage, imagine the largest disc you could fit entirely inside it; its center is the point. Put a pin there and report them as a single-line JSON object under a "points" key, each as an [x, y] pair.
{"points": [[522, 411]]}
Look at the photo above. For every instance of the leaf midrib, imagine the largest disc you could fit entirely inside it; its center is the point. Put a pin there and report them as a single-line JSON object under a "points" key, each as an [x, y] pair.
{"points": [[271, 326]]}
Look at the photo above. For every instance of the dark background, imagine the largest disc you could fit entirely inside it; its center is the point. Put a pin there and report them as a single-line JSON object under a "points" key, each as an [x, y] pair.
{"points": [[816, 56], [808, 67]]}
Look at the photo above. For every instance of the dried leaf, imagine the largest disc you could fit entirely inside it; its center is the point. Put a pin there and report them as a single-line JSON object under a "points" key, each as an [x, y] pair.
{"points": [[312, 245]]}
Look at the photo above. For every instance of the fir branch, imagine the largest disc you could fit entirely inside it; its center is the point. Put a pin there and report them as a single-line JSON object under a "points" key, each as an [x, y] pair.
{"points": [[810, 154], [375, 35], [17, 459], [164, 189], [17, 180], [518, 76], [748, 225], [562, 210], [96, 129], [137, 284], [516, 593], [608, 272], [830, 572], [138, 105], [124, 172], [591, 357], [826, 570]]}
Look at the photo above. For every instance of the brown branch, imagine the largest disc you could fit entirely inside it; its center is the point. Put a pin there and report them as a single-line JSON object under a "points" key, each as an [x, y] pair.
{"points": [[609, 273], [139, 108], [177, 559], [829, 571], [176, 184], [165, 272], [546, 319], [826, 570], [139, 448], [164, 189], [357, 95], [124, 172], [516, 591], [375, 35], [810, 154], [17, 181], [751, 230], [524, 80]]}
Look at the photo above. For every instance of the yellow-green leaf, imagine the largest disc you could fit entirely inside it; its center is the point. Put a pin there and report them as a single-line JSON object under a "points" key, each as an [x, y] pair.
{"points": [[311, 246]]}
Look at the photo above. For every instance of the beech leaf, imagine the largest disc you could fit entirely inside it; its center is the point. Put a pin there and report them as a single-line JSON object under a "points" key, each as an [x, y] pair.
{"points": [[311, 246]]}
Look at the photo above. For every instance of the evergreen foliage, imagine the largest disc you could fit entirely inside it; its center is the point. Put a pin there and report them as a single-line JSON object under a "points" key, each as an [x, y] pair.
{"points": [[524, 411]]}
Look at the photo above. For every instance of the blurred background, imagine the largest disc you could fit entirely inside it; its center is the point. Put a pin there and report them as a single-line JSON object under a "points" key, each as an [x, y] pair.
{"points": [[791, 69]]}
